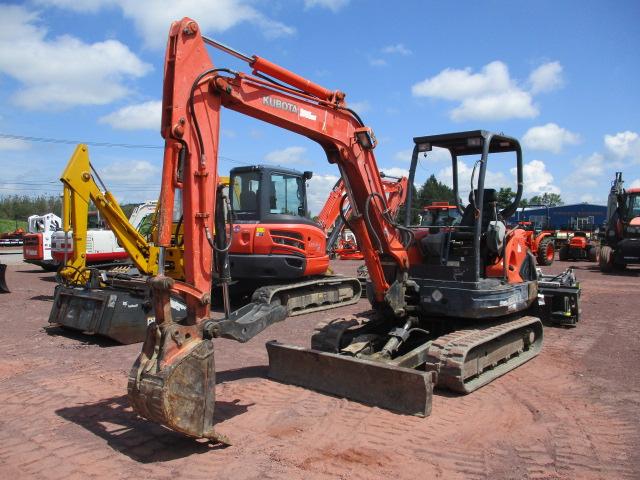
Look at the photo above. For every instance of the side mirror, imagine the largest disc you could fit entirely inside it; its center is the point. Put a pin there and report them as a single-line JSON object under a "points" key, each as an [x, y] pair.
{"points": [[307, 175]]}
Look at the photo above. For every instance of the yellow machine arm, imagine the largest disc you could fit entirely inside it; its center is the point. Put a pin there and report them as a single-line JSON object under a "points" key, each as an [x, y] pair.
{"points": [[80, 187]]}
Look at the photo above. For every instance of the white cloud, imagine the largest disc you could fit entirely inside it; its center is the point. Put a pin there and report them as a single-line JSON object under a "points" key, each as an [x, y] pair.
{"points": [[288, 156], [398, 48], [404, 155], [360, 107], [492, 179], [537, 179], [490, 94], [64, 71], [635, 183], [142, 116], [318, 190], [588, 170], [434, 156], [377, 62], [333, 5], [501, 106], [135, 172], [153, 22], [395, 171], [624, 145], [13, 144], [546, 77], [452, 84], [549, 137]]}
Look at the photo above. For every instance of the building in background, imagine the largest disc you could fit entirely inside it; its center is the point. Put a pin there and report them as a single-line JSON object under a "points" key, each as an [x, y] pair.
{"points": [[577, 216]]}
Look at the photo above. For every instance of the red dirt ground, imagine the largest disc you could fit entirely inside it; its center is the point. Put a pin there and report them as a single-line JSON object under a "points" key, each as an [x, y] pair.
{"points": [[570, 413]]}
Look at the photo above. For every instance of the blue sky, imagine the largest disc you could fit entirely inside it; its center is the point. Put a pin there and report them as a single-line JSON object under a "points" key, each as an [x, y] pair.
{"points": [[561, 76]]}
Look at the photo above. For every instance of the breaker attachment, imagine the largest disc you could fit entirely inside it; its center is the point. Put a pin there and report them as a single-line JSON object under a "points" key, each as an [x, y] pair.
{"points": [[559, 298], [3, 281]]}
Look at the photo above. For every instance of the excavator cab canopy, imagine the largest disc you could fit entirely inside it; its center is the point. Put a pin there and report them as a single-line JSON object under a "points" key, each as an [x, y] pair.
{"points": [[473, 142], [268, 194]]}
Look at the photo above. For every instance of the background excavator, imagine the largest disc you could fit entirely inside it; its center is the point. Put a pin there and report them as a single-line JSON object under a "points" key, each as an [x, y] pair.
{"points": [[620, 241], [341, 242], [334, 212], [456, 308]]}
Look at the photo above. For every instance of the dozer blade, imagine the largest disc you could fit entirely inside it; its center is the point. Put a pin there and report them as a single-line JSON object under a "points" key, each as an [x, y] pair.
{"points": [[3, 281], [174, 385], [394, 388]]}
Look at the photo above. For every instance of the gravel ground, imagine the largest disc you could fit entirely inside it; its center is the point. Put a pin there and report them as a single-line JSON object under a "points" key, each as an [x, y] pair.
{"points": [[570, 413]]}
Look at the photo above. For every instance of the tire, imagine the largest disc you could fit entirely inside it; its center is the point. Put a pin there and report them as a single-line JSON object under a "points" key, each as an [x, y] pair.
{"points": [[606, 259], [546, 252], [592, 254], [563, 254]]}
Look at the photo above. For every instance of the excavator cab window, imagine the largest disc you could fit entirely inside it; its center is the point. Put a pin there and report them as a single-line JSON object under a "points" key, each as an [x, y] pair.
{"points": [[246, 189], [633, 206], [287, 194]]}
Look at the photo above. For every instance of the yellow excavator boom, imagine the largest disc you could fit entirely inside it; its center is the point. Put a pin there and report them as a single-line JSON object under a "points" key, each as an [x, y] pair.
{"points": [[80, 187]]}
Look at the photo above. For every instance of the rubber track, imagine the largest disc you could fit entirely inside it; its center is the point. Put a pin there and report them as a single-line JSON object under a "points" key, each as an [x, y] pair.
{"points": [[266, 294], [447, 354]]}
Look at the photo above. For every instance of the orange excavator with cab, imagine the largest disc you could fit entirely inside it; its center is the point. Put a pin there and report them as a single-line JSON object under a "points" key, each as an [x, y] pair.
{"points": [[455, 308]]}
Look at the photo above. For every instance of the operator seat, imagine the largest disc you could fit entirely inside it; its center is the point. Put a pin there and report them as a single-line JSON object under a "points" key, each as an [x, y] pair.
{"points": [[489, 198], [248, 200]]}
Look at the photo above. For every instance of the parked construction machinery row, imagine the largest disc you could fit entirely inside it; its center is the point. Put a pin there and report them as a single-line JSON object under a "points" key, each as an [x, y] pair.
{"points": [[620, 240], [275, 255], [453, 307]]}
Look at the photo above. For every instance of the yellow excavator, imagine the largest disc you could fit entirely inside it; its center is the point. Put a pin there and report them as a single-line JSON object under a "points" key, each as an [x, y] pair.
{"points": [[112, 302]]}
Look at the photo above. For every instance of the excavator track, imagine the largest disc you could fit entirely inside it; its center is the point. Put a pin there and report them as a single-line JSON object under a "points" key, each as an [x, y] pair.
{"points": [[313, 295], [465, 360]]}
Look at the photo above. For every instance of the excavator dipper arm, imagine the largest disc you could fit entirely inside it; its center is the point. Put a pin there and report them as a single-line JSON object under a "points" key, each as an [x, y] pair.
{"points": [[173, 380]]}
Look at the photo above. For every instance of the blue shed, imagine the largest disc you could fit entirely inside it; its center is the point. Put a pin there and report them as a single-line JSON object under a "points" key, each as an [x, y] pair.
{"points": [[577, 216]]}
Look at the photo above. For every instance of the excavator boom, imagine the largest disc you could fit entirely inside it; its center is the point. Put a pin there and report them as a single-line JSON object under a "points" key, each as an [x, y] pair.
{"points": [[173, 380]]}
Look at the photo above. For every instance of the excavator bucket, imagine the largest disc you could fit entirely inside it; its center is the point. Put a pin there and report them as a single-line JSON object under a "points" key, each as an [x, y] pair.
{"points": [[173, 380], [400, 389], [3, 281]]}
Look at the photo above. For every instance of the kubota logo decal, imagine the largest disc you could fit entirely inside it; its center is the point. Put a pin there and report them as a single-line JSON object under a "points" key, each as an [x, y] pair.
{"points": [[281, 104]]}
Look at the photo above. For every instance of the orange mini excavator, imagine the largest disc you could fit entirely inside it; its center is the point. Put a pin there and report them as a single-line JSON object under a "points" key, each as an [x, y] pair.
{"points": [[454, 308]]}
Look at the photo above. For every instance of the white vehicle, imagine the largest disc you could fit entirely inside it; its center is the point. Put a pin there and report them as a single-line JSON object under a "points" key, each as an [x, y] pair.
{"points": [[36, 248], [102, 246]]}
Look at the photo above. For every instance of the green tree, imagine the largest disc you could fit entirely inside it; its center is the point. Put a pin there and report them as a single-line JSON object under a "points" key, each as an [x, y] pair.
{"points": [[416, 207], [551, 199], [435, 191], [431, 191], [505, 197]]}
